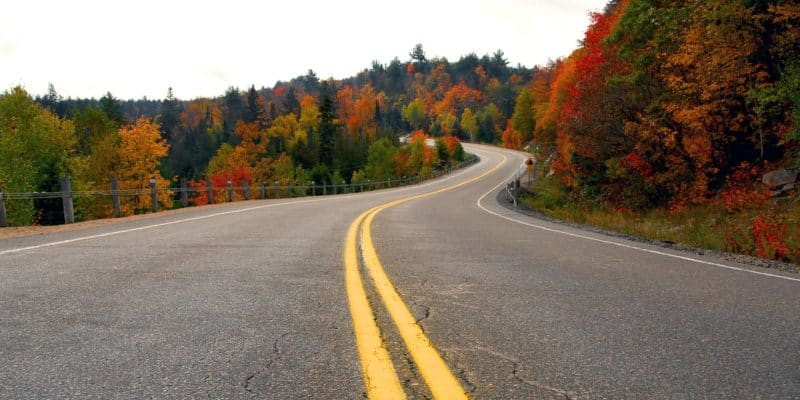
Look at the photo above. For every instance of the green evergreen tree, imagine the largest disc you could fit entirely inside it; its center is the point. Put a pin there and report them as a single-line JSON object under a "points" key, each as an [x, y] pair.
{"points": [[327, 127], [170, 117], [113, 108]]}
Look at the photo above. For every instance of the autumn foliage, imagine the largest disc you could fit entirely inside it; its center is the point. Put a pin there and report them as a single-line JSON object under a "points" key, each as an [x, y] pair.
{"points": [[769, 238], [678, 105], [512, 138], [663, 105], [672, 100], [219, 184], [140, 152]]}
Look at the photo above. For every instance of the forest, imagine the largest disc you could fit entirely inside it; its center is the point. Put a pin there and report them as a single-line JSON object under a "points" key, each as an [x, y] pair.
{"points": [[663, 105], [301, 131], [673, 111]]}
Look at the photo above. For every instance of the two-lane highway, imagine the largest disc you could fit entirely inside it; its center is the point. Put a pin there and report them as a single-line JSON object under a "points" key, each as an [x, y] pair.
{"points": [[254, 299]]}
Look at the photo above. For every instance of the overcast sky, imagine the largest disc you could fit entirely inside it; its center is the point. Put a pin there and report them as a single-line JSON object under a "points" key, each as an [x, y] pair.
{"points": [[140, 48]]}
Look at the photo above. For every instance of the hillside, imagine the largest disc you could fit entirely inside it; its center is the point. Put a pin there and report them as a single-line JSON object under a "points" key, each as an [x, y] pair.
{"points": [[664, 122]]}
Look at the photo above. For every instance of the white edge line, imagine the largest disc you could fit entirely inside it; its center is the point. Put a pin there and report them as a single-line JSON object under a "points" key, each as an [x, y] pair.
{"points": [[492, 190], [322, 198]]}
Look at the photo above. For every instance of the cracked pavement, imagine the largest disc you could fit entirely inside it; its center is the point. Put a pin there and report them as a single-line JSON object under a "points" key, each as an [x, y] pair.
{"points": [[253, 305]]}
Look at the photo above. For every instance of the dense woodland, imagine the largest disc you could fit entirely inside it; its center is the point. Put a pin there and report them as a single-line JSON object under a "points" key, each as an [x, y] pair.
{"points": [[678, 106], [672, 102], [663, 104]]}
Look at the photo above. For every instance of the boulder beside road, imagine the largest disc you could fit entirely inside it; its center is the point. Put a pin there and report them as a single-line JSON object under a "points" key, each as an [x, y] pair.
{"points": [[780, 181]]}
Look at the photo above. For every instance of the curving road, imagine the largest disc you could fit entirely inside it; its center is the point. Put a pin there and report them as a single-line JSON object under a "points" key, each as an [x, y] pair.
{"points": [[260, 299]]}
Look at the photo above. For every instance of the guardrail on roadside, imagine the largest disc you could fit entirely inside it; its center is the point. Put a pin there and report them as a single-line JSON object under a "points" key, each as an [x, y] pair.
{"points": [[514, 187], [186, 195]]}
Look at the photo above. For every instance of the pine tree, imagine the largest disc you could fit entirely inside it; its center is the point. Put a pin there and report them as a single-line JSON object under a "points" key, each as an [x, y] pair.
{"points": [[327, 127], [113, 108], [251, 112], [170, 117]]}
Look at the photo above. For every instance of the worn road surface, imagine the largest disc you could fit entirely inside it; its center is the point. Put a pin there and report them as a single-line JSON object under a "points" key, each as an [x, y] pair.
{"points": [[251, 300]]}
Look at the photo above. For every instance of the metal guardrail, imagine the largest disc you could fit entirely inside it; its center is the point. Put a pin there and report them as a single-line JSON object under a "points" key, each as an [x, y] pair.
{"points": [[510, 195], [186, 194], [513, 187]]}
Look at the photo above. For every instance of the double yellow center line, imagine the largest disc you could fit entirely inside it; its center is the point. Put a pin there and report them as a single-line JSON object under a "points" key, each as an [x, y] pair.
{"points": [[380, 378]]}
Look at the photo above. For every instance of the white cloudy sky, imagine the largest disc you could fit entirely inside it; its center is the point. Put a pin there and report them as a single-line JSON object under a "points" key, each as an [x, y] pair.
{"points": [[139, 48]]}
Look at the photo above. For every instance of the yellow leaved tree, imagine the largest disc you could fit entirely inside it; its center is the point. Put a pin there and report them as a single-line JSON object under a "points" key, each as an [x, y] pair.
{"points": [[139, 153]]}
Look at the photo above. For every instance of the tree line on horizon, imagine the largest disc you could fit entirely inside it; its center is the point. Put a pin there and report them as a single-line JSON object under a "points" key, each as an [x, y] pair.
{"points": [[297, 132]]}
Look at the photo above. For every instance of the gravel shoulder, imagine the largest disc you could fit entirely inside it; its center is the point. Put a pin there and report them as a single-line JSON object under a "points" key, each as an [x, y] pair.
{"points": [[739, 258]]}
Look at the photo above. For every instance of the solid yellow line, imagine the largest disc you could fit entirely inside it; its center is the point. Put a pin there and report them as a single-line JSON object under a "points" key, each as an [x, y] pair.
{"points": [[380, 377], [440, 380]]}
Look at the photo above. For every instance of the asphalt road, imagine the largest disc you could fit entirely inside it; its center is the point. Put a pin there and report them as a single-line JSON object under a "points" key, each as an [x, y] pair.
{"points": [[248, 300]]}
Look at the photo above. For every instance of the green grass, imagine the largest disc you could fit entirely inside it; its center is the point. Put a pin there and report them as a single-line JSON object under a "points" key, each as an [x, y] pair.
{"points": [[700, 226]]}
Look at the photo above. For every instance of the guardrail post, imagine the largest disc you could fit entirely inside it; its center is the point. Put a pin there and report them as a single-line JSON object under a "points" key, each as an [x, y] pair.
{"points": [[277, 190], [3, 221], [66, 199], [153, 195], [209, 191], [324, 188], [230, 191], [262, 191], [246, 185], [291, 192], [184, 193], [115, 197]]}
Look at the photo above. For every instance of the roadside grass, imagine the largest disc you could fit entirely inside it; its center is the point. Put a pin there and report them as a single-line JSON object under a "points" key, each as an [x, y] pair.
{"points": [[770, 230]]}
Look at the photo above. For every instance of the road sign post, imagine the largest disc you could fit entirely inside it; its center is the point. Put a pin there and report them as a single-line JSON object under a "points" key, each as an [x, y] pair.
{"points": [[529, 167]]}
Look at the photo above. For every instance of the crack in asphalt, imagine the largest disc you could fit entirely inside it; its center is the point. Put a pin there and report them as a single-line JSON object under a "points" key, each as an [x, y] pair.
{"points": [[275, 349], [459, 372], [515, 372], [247, 382], [408, 381], [516, 367], [462, 376], [424, 316], [276, 353]]}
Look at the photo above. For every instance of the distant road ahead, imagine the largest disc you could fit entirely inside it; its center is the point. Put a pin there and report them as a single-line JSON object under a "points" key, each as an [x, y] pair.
{"points": [[253, 299]]}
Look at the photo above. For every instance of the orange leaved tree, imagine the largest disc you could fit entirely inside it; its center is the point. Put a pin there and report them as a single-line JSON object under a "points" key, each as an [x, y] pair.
{"points": [[140, 152]]}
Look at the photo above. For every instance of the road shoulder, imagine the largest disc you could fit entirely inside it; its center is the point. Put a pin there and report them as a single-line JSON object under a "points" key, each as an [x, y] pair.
{"points": [[502, 199]]}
